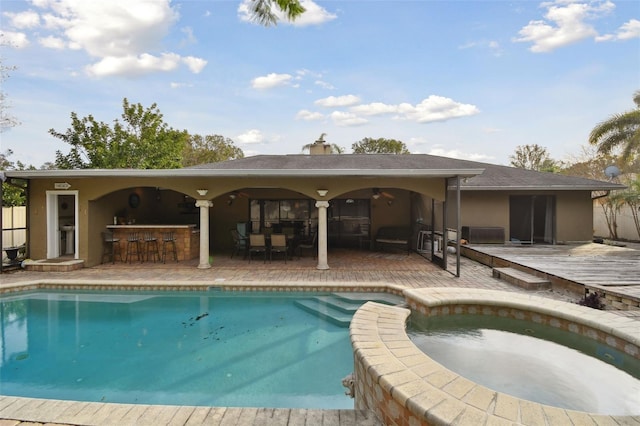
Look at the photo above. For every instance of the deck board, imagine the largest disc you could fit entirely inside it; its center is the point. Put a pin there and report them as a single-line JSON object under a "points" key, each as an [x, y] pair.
{"points": [[587, 264]]}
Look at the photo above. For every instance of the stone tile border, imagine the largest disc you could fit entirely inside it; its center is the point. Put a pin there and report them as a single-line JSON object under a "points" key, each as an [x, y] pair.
{"points": [[403, 386], [249, 286]]}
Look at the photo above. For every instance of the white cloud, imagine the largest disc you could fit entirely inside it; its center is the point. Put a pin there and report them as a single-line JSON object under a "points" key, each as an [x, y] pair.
{"points": [[564, 24], [324, 84], [375, 108], [134, 65], [194, 64], [189, 37], [307, 115], [13, 39], [52, 42], [338, 101], [629, 30], [347, 119], [270, 81], [492, 45], [23, 20], [252, 136], [454, 153], [176, 85], [435, 108], [313, 15], [119, 33]]}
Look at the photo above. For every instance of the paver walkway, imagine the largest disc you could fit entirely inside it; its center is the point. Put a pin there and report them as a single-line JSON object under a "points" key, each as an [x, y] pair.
{"points": [[351, 268]]}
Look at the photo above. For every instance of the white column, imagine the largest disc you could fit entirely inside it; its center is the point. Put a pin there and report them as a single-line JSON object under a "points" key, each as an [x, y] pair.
{"points": [[322, 234], [204, 205]]}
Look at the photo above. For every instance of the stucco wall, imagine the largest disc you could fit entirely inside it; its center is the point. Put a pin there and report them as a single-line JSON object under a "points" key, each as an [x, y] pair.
{"points": [[485, 208], [574, 217]]}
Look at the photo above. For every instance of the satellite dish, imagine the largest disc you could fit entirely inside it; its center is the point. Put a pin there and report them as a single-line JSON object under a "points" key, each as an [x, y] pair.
{"points": [[612, 172]]}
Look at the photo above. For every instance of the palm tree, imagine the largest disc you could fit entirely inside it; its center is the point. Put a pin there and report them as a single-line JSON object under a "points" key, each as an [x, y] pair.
{"points": [[619, 131], [262, 11]]}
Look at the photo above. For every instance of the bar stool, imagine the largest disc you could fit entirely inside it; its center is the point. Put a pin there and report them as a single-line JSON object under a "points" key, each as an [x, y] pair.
{"points": [[169, 239], [151, 246], [110, 246], [133, 246]]}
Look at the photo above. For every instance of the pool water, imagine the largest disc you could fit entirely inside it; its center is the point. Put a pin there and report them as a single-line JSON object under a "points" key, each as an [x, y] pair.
{"points": [[532, 361], [185, 348]]}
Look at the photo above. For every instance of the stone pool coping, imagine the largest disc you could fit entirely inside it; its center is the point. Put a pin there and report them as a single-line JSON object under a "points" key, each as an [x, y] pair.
{"points": [[402, 385], [249, 286]]}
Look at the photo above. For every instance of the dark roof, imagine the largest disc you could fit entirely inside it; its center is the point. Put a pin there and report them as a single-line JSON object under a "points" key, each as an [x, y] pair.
{"points": [[476, 175], [493, 177], [343, 162]]}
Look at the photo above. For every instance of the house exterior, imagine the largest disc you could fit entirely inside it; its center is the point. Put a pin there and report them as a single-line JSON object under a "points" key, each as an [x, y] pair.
{"points": [[347, 199]]}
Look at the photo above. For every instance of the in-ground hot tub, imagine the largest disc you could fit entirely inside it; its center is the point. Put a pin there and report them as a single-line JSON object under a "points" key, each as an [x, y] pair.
{"points": [[401, 384]]}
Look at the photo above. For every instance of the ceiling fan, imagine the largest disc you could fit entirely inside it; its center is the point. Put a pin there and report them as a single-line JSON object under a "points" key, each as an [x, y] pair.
{"points": [[235, 194], [377, 193]]}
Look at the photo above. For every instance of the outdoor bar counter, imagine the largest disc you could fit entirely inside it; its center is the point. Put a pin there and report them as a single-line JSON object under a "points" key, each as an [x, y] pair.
{"points": [[187, 238]]}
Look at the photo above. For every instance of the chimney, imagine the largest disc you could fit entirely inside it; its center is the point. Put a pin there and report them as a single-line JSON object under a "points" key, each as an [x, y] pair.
{"points": [[319, 147]]}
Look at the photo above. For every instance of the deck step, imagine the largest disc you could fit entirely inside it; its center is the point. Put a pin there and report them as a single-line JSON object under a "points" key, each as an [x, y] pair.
{"points": [[521, 279]]}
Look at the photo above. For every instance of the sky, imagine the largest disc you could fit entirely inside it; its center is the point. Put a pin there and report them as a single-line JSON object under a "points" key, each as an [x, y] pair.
{"points": [[463, 79]]}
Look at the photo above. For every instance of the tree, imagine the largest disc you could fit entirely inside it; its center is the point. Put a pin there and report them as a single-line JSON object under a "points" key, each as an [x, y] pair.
{"points": [[379, 146], [631, 197], [142, 141], [6, 120], [620, 131], [13, 194], [209, 149], [262, 10], [533, 157]]}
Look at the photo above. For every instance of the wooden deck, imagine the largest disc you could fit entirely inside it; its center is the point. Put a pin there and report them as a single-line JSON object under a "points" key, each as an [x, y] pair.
{"points": [[596, 266]]}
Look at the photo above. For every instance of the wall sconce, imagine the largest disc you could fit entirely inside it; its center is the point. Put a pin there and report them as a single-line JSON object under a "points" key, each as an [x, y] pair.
{"points": [[202, 192], [322, 192], [376, 193]]}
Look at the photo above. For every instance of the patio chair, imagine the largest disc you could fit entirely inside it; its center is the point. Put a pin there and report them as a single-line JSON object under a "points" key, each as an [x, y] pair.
{"points": [[278, 245], [239, 244], [110, 245], [311, 244], [257, 245]]}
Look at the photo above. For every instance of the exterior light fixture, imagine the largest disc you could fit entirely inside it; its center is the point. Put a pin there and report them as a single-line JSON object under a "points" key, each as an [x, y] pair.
{"points": [[202, 192], [322, 192]]}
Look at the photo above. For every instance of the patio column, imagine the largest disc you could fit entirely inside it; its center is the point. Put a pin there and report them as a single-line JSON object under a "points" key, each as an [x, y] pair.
{"points": [[204, 205], [322, 234]]}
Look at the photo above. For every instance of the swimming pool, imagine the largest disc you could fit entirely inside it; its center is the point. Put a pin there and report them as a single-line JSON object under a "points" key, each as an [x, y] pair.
{"points": [[213, 348], [532, 361], [397, 380]]}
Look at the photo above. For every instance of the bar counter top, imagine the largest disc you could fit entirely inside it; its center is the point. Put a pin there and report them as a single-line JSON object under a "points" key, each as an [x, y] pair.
{"points": [[149, 226]]}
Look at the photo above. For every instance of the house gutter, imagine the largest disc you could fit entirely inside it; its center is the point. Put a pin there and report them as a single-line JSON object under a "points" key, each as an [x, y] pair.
{"points": [[597, 197], [190, 173]]}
